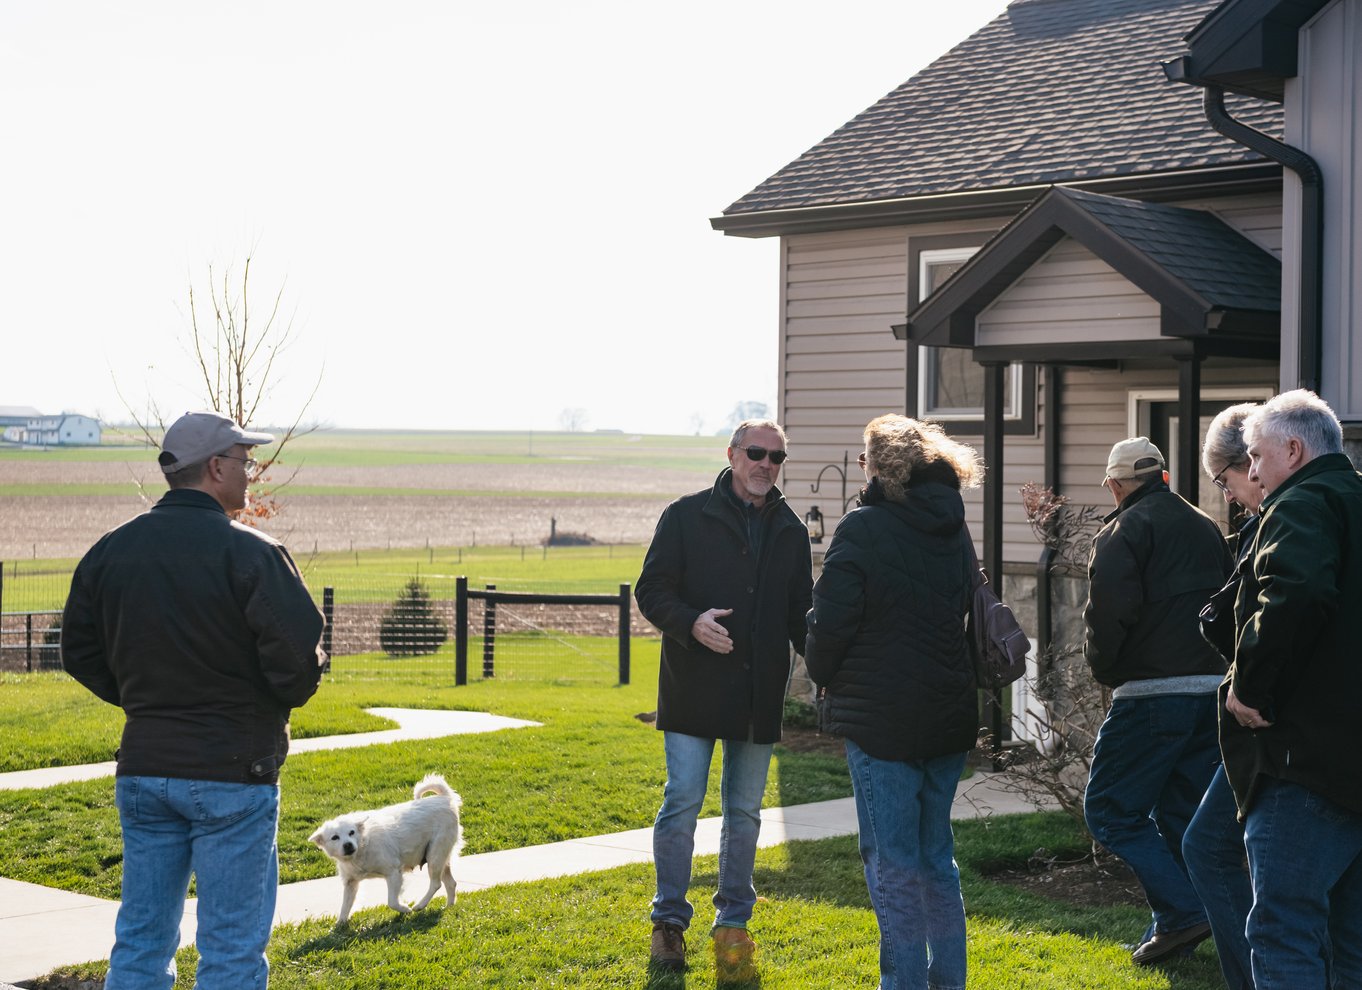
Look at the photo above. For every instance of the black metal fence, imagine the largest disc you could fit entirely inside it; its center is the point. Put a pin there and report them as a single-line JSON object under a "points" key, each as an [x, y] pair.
{"points": [[491, 599], [380, 626]]}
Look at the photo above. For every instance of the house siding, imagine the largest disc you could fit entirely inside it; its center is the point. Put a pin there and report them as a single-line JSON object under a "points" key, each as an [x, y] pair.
{"points": [[840, 365], [1069, 295], [1324, 118]]}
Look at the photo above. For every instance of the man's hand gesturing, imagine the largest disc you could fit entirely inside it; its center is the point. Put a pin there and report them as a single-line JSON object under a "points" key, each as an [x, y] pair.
{"points": [[709, 634]]}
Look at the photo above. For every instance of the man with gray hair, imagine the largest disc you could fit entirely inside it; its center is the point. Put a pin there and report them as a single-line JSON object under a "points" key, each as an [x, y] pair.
{"points": [[1153, 565], [1288, 726], [728, 581], [202, 631]]}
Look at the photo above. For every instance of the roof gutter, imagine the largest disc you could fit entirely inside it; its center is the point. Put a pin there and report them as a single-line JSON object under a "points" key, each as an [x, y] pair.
{"points": [[1311, 291]]}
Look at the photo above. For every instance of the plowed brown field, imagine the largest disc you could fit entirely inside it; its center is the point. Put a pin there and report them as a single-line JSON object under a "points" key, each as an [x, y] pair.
{"points": [[613, 503]]}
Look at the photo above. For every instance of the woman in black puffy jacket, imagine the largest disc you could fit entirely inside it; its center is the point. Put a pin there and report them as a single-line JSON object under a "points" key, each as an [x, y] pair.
{"points": [[887, 648]]}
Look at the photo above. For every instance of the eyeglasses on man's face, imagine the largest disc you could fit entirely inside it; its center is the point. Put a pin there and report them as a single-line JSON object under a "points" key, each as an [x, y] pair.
{"points": [[249, 463], [756, 453]]}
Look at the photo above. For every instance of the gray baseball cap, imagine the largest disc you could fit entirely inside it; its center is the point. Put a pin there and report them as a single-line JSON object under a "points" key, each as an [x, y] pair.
{"points": [[197, 436]]}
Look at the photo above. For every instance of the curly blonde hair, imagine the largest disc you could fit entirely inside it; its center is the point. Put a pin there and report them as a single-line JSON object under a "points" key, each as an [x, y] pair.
{"points": [[895, 446]]}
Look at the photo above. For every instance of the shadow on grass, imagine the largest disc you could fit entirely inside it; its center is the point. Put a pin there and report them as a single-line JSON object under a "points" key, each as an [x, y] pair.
{"points": [[393, 927]]}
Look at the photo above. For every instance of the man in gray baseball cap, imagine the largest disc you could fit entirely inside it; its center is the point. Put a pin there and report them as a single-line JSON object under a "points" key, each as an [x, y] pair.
{"points": [[197, 436], [194, 447], [202, 631]]}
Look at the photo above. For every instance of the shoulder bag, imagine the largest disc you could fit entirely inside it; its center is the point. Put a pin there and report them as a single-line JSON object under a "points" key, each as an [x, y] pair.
{"points": [[997, 641]]}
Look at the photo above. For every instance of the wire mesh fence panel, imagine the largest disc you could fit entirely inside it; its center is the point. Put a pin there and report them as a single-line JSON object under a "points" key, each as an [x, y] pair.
{"points": [[32, 593], [400, 623], [400, 628]]}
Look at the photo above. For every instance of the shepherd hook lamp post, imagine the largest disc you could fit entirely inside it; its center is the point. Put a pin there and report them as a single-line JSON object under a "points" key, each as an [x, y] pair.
{"points": [[813, 513]]}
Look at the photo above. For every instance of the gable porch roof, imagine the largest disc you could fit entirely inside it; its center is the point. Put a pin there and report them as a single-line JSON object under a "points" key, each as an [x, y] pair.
{"points": [[1218, 292]]}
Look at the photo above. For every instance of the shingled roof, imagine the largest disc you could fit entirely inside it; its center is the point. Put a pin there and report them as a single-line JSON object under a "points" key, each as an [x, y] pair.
{"points": [[1050, 91]]}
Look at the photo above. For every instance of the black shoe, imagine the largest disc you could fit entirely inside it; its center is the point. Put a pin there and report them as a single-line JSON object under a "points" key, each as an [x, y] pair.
{"points": [[1165, 944], [668, 947]]}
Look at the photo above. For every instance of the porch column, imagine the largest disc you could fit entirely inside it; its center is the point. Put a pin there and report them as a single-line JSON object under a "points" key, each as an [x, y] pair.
{"points": [[992, 558], [1189, 427]]}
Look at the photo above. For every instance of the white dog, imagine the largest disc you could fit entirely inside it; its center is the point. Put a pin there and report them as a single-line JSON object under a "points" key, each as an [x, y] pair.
{"points": [[387, 842]]}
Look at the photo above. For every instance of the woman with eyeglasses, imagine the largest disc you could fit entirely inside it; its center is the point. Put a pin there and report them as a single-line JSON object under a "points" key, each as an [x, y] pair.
{"points": [[887, 649], [1213, 845]]}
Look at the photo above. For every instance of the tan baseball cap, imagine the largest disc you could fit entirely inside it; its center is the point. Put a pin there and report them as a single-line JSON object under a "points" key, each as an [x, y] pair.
{"points": [[197, 436], [1133, 458]]}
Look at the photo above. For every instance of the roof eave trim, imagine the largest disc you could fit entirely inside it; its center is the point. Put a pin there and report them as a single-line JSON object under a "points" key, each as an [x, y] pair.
{"points": [[1244, 177]]}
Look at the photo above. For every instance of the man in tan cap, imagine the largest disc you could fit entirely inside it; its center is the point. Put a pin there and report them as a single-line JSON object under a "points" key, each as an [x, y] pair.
{"points": [[202, 631], [1154, 564]]}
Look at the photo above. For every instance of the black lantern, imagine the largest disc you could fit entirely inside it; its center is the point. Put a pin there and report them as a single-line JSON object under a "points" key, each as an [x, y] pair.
{"points": [[813, 519]]}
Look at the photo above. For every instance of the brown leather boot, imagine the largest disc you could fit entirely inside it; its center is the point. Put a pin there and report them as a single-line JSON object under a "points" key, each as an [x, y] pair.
{"points": [[668, 948], [734, 955]]}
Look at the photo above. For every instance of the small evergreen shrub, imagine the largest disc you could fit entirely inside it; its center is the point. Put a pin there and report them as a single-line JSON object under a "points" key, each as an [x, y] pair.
{"points": [[800, 714], [411, 627]]}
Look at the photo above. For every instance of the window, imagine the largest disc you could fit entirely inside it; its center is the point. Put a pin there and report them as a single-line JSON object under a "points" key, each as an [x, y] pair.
{"points": [[950, 382]]}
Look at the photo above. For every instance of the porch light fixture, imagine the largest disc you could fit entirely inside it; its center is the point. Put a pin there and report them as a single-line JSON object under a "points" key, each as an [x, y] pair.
{"points": [[813, 519]]}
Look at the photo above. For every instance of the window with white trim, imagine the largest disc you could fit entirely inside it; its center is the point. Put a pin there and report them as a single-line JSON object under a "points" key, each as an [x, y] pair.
{"points": [[950, 382]]}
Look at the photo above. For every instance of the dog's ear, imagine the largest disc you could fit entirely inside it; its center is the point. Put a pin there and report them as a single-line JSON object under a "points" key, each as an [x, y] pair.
{"points": [[316, 837]]}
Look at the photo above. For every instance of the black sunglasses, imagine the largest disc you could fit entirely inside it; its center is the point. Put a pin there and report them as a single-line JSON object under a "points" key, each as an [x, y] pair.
{"points": [[755, 453]]}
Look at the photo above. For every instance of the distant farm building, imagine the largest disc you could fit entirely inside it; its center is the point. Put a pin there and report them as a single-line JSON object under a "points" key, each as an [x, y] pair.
{"points": [[14, 422], [22, 424]]}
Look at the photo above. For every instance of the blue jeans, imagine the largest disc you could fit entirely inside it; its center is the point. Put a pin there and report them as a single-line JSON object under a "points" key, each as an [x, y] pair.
{"points": [[742, 784], [1152, 762], [904, 813], [225, 835], [1213, 848], [1305, 856]]}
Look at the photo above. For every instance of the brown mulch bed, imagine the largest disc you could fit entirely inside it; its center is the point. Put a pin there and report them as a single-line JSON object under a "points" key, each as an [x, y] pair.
{"points": [[811, 741], [1102, 881]]}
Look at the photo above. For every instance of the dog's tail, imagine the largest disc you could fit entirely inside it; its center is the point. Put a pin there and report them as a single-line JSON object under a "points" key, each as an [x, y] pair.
{"points": [[433, 783]]}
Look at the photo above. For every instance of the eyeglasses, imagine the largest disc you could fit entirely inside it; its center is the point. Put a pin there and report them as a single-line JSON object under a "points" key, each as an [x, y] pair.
{"points": [[250, 463], [755, 453], [1218, 480]]}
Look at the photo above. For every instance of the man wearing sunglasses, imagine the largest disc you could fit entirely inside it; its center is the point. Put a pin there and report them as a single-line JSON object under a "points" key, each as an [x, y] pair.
{"points": [[728, 581], [202, 631]]}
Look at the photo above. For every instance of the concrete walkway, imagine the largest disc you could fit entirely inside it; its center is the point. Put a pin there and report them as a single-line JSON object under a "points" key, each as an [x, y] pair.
{"points": [[42, 928]]}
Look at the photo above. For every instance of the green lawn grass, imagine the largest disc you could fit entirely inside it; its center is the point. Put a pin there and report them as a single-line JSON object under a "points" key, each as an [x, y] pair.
{"points": [[591, 768], [813, 925]]}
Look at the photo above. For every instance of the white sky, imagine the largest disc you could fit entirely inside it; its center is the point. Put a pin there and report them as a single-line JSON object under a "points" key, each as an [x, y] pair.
{"points": [[482, 214]]}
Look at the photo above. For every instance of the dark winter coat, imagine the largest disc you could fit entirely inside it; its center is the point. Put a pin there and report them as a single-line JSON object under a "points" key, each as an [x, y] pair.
{"points": [[1153, 566], [202, 631], [701, 558], [1297, 660], [887, 630]]}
